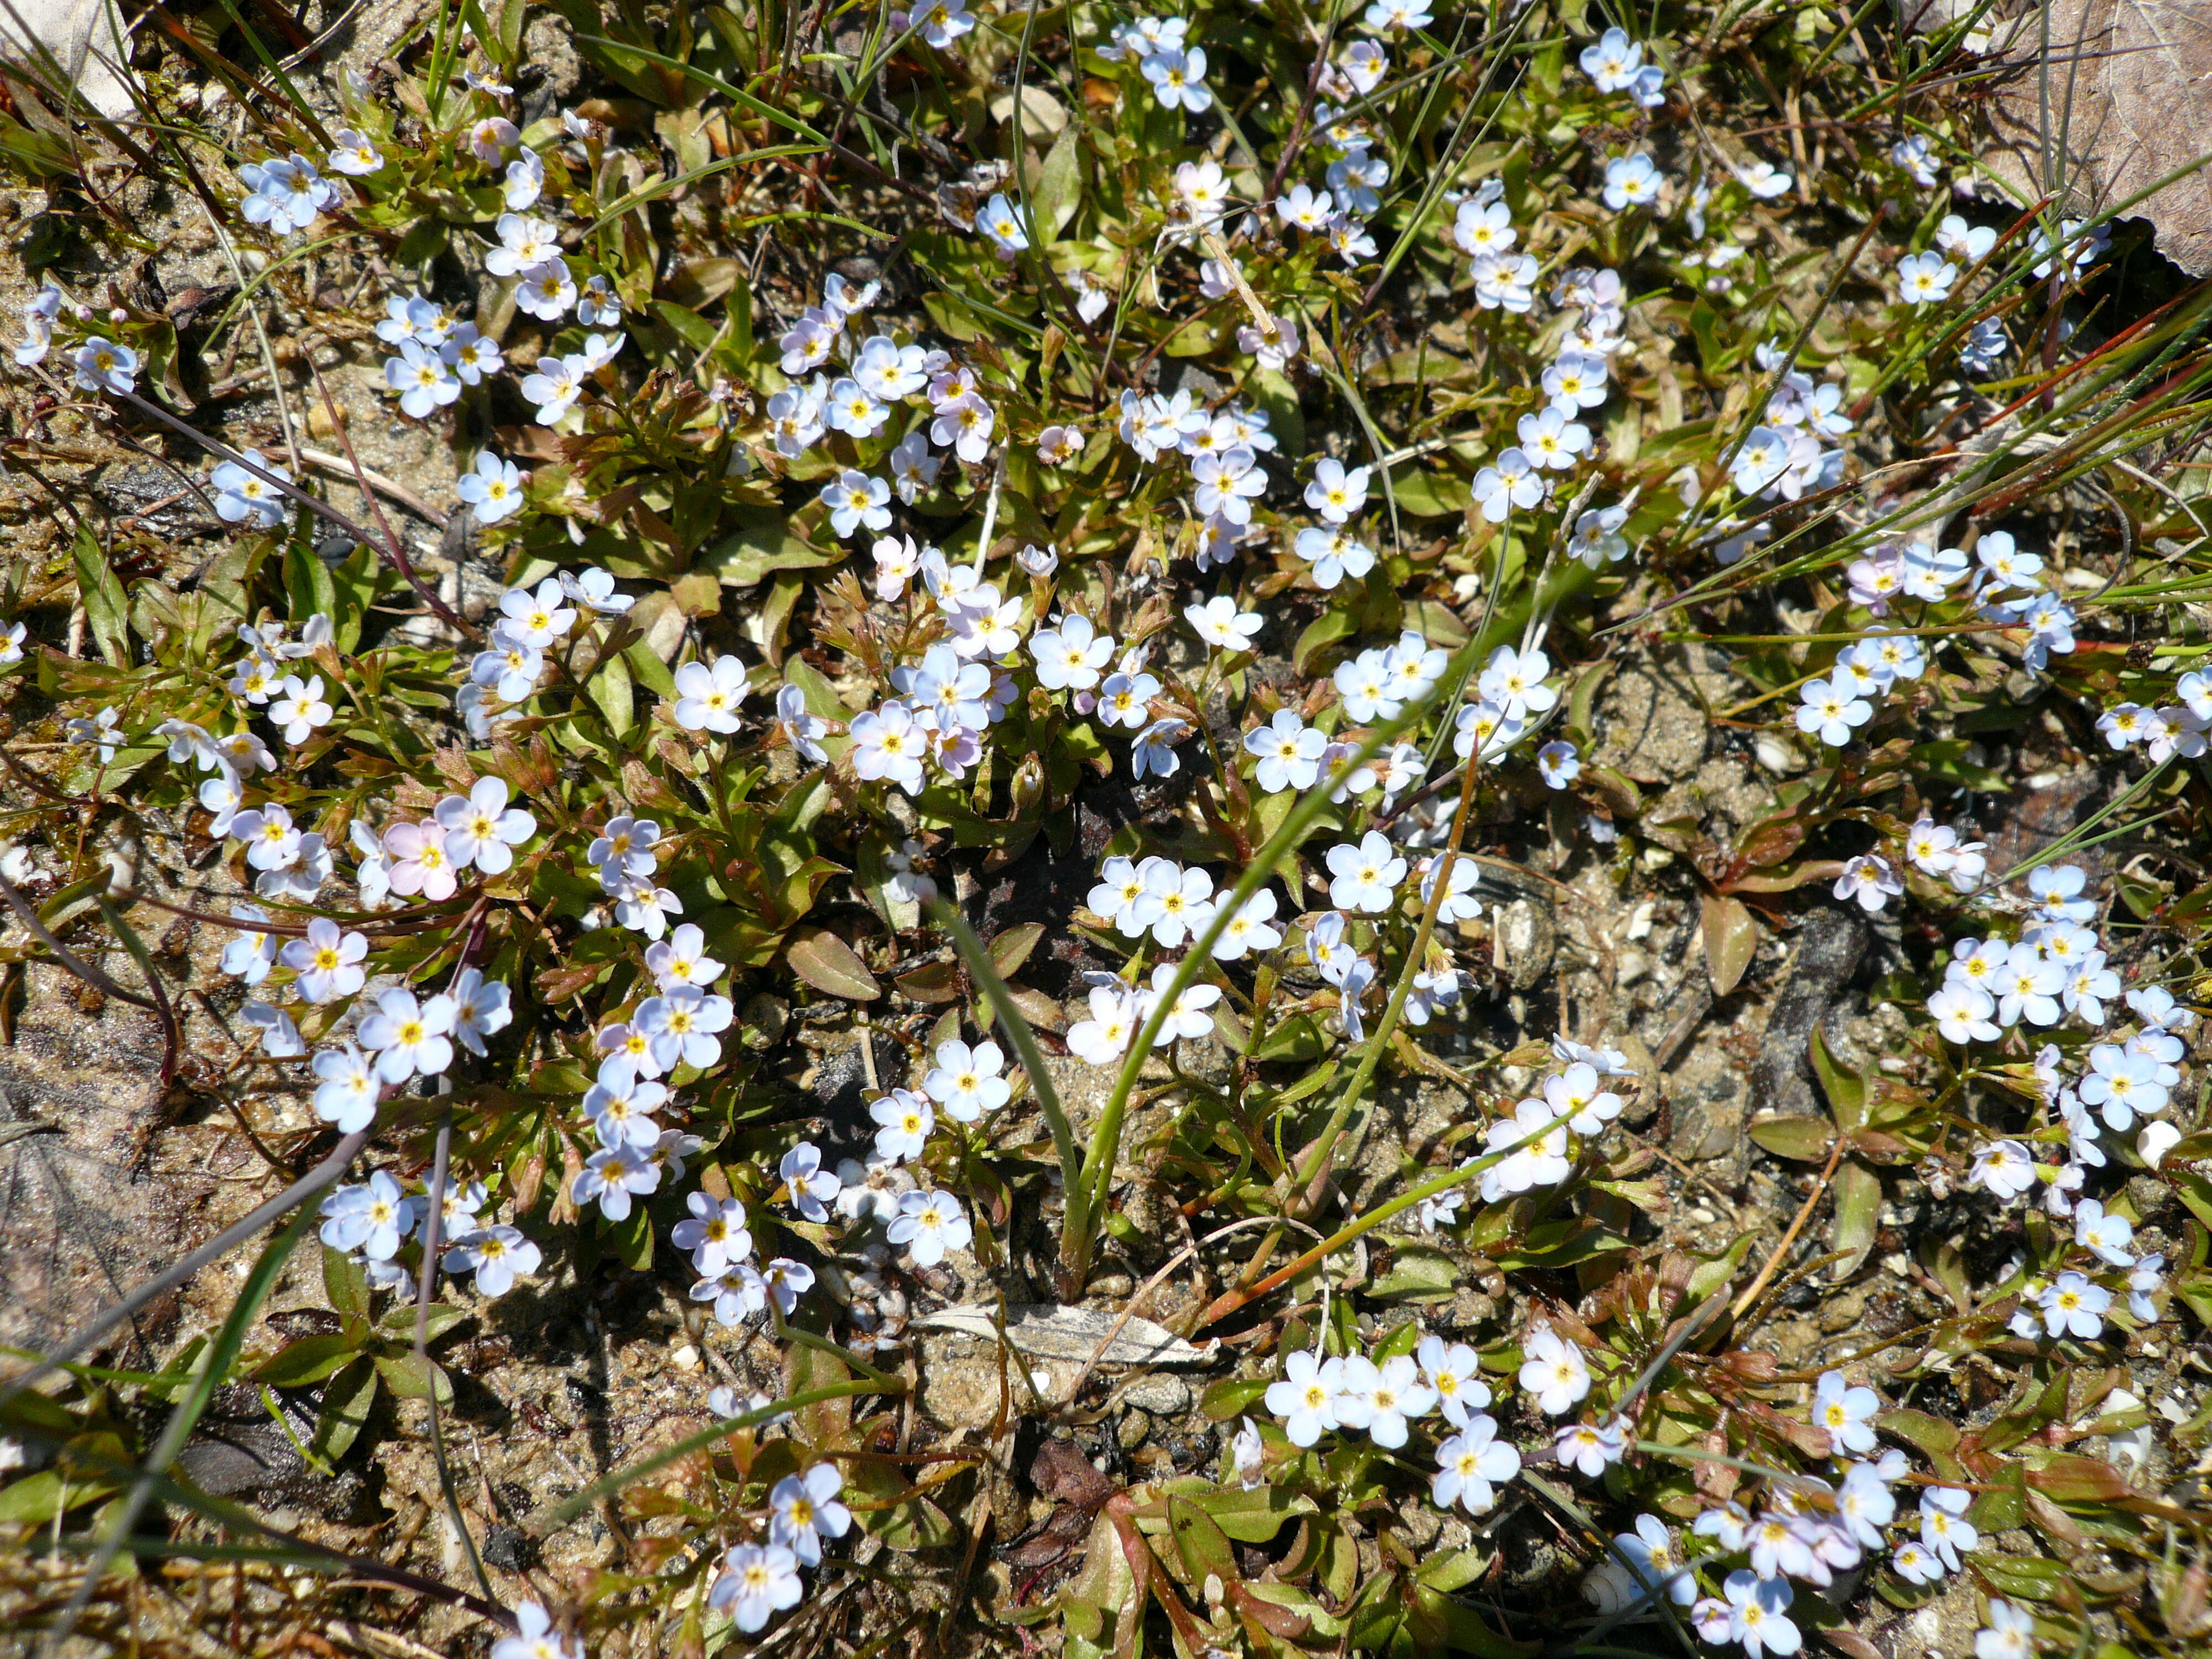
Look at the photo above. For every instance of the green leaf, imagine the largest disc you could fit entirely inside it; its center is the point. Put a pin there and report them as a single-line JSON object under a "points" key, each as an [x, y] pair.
{"points": [[1322, 632], [1432, 494], [1806, 1140], [761, 546], [1011, 948], [100, 591], [1921, 1430], [398, 1321], [347, 1402], [1845, 1088], [1060, 183], [1418, 1275], [345, 1282], [308, 583], [1254, 1517], [1455, 1571], [1199, 1541], [1297, 1038], [688, 326], [1858, 1215], [37, 1498], [2036, 1578], [1231, 1397], [310, 1359], [610, 690], [412, 1378], [1440, 1623]]}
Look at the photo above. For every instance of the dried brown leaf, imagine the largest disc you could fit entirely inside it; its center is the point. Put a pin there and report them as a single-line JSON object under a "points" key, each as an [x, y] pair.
{"points": [[2129, 101]]}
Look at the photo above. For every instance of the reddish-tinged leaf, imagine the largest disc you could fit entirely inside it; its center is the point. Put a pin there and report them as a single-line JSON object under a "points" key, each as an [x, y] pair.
{"points": [[1731, 940], [828, 963]]}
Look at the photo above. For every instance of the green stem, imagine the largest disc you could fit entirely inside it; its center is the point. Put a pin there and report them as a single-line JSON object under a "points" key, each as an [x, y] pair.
{"points": [[986, 974], [1097, 1175]]}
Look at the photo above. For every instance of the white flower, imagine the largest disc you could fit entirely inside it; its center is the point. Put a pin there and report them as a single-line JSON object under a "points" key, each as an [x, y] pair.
{"points": [[1962, 1012], [904, 1119], [1334, 554], [535, 1640], [1104, 1037], [1925, 279], [2074, 1306], [2004, 1167], [1250, 929], [526, 182], [1831, 709], [1289, 752], [104, 366], [1758, 1613], [1631, 181], [1221, 625], [1911, 153], [1551, 440], [555, 386], [1365, 877], [480, 1008], [243, 495], [1943, 1526], [812, 1188], [347, 1094], [1175, 902], [943, 22], [1189, 1018], [757, 1582], [715, 1232], [1553, 1369], [326, 961], [708, 695], [2010, 1633], [965, 1081], [1514, 681], [1306, 1398], [523, 241], [372, 1218], [420, 375], [888, 744], [929, 1224], [408, 1037], [1589, 1447], [1612, 63], [496, 1255], [1471, 1465], [1380, 1399], [1335, 492], [1869, 880], [481, 827], [2107, 1235], [1844, 1411], [301, 709], [1000, 221], [547, 292], [1070, 655], [1557, 763], [1763, 179], [804, 1508], [494, 490], [1511, 481], [1178, 80], [1487, 725]]}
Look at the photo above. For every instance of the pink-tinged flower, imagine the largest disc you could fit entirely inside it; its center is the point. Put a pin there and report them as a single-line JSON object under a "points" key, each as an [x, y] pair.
{"points": [[420, 862]]}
